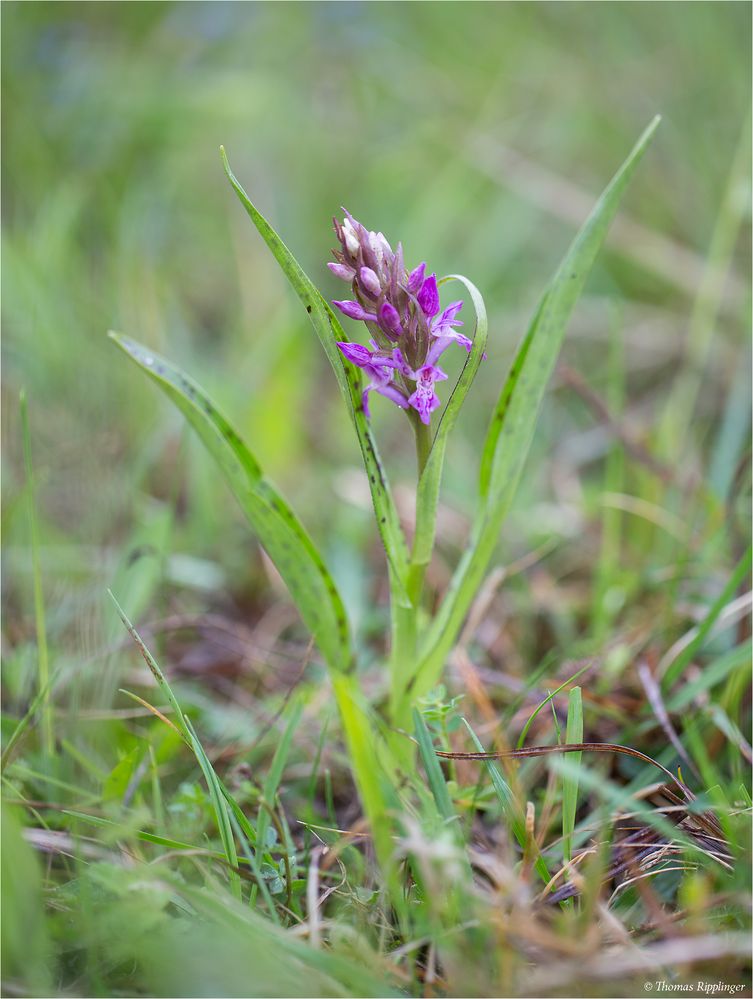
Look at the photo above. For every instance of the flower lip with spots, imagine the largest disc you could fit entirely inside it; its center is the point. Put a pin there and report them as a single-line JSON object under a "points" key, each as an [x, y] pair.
{"points": [[401, 310]]}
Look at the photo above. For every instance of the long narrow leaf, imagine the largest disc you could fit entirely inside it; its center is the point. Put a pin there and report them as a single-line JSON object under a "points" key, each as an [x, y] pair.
{"points": [[214, 785], [433, 770], [329, 331], [570, 781], [509, 438], [431, 477], [277, 527]]}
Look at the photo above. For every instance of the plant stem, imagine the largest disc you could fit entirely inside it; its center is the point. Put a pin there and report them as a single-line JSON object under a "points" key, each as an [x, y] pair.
{"points": [[405, 619], [423, 444]]}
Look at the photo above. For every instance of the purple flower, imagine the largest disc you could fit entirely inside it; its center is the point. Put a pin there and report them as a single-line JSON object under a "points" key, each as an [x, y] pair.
{"points": [[370, 282], [380, 370], [428, 296], [425, 400], [342, 271], [354, 310], [401, 309], [444, 333], [389, 319], [415, 278]]}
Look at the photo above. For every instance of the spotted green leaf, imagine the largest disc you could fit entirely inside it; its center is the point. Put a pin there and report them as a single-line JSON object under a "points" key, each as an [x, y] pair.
{"points": [[329, 331], [277, 527], [514, 421]]}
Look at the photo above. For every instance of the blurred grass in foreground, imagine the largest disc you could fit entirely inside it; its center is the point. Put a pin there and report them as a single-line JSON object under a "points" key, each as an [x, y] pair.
{"points": [[475, 133]]}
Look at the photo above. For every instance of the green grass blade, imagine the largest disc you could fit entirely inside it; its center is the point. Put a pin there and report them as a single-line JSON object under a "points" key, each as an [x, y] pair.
{"points": [[216, 792], [574, 733], [434, 775], [40, 697], [674, 670], [543, 704], [375, 786], [222, 815], [509, 438], [329, 331], [510, 807], [712, 674], [272, 782], [43, 661], [279, 530]]}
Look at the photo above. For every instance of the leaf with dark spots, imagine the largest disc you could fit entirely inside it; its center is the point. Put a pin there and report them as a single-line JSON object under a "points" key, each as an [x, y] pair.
{"points": [[329, 331], [280, 532], [510, 435]]}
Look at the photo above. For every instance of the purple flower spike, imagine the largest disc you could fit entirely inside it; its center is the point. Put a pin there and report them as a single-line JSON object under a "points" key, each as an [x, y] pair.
{"points": [[353, 310], [407, 331], [370, 282], [416, 279], [425, 400], [389, 320], [342, 271], [428, 297]]}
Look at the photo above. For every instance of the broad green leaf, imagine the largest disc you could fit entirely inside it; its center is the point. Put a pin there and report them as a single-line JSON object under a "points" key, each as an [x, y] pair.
{"points": [[509, 438], [329, 331], [277, 527], [431, 477], [574, 734]]}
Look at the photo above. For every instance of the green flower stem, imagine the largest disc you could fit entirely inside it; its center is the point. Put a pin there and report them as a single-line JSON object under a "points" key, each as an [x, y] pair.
{"points": [[367, 753], [423, 443], [405, 618]]}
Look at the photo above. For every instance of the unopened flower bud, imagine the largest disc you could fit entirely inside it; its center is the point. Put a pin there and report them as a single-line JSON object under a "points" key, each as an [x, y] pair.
{"points": [[342, 271], [351, 239], [389, 320], [370, 282], [354, 310], [416, 279], [428, 297]]}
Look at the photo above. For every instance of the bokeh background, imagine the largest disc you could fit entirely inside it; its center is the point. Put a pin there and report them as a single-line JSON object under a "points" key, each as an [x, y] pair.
{"points": [[479, 135]]}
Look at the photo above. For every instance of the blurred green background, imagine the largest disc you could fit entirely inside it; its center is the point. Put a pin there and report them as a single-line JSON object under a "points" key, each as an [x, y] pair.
{"points": [[477, 133], [480, 135]]}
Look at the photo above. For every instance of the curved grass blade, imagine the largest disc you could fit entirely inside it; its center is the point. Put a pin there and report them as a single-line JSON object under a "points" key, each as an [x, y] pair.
{"points": [[510, 434], [570, 781], [186, 729], [547, 699], [509, 804], [277, 527], [431, 477], [329, 331]]}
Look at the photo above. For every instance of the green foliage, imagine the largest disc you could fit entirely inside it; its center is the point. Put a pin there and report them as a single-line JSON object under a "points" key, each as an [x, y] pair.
{"points": [[471, 133], [511, 431], [278, 528]]}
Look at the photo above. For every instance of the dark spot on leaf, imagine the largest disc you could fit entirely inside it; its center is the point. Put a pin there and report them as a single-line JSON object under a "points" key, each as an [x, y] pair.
{"points": [[308, 309]]}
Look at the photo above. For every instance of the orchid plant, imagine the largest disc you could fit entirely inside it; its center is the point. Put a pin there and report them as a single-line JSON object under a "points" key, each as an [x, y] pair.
{"points": [[408, 332]]}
